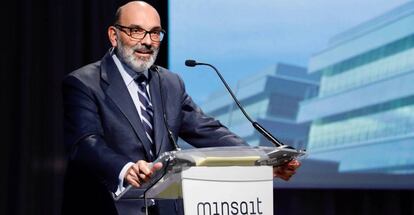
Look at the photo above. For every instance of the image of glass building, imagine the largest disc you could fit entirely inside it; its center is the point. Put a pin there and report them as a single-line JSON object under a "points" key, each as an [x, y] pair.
{"points": [[271, 97], [363, 115]]}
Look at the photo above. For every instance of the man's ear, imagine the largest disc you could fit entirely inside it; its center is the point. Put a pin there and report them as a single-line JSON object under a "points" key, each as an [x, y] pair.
{"points": [[112, 36]]}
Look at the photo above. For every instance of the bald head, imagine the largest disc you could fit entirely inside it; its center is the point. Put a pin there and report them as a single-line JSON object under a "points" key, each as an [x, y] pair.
{"points": [[136, 35], [138, 13]]}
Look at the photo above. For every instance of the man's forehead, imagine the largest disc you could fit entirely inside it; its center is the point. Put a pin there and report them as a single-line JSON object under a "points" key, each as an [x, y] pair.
{"points": [[146, 17]]}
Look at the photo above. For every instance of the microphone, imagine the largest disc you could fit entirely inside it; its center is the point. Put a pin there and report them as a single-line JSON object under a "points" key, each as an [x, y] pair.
{"points": [[256, 125], [190, 63], [164, 112]]}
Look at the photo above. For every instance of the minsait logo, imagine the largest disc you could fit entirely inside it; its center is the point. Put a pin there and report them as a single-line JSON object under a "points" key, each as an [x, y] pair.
{"points": [[230, 208]]}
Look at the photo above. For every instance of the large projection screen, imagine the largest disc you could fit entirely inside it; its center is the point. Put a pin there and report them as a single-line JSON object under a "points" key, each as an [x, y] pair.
{"points": [[332, 77]]}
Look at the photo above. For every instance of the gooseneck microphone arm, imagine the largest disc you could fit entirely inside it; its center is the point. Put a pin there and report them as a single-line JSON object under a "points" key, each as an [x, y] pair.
{"points": [[256, 125], [164, 111]]}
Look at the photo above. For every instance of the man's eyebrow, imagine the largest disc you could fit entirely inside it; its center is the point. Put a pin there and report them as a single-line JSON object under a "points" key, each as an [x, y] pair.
{"points": [[156, 28], [134, 26], [152, 29]]}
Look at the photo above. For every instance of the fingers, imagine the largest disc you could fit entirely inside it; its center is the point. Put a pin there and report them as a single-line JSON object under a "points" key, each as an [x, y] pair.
{"points": [[141, 172], [143, 167], [294, 164], [132, 180], [287, 170], [131, 177], [156, 166], [283, 173]]}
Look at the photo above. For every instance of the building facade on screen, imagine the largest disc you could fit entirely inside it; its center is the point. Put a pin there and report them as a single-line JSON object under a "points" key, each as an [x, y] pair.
{"points": [[271, 97], [363, 116]]}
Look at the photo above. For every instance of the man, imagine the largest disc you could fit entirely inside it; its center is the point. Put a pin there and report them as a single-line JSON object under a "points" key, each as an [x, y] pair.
{"points": [[114, 119]]}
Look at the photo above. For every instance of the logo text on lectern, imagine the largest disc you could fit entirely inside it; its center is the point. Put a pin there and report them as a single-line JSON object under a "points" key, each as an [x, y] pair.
{"points": [[230, 208]]}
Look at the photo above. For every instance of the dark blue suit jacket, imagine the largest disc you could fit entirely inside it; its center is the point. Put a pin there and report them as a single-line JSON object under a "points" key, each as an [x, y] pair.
{"points": [[103, 130]]}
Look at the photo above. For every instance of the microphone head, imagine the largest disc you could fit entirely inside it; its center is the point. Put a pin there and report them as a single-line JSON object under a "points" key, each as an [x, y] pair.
{"points": [[190, 63]]}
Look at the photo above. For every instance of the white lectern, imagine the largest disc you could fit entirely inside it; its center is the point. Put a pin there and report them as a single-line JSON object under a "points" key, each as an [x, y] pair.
{"points": [[219, 181]]}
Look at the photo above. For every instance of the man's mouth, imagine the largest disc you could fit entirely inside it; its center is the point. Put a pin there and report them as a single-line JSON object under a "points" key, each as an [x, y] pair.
{"points": [[144, 52]]}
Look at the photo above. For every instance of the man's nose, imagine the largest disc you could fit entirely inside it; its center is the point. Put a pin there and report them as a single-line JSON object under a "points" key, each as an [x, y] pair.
{"points": [[146, 40]]}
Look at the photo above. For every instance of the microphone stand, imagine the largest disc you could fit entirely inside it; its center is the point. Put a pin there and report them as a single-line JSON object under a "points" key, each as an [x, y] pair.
{"points": [[256, 125], [164, 111]]}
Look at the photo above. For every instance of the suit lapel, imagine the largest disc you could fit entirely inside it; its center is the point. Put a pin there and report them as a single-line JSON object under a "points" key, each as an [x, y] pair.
{"points": [[159, 127], [118, 92]]}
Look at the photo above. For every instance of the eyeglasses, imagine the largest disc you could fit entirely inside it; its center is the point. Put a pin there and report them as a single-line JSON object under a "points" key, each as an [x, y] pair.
{"points": [[139, 33]]}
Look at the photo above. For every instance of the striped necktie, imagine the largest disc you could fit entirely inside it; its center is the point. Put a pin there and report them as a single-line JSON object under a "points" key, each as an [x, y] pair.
{"points": [[147, 111]]}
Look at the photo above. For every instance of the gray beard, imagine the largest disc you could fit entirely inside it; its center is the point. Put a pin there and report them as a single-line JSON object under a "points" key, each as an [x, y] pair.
{"points": [[138, 64]]}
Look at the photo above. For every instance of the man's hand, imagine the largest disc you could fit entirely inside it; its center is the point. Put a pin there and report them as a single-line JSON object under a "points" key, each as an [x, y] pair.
{"points": [[141, 172], [287, 170]]}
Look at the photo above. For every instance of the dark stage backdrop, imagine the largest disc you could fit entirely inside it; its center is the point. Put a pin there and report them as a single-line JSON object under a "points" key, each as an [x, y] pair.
{"points": [[43, 41]]}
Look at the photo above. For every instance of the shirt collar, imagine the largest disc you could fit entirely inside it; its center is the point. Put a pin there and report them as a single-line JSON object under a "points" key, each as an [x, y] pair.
{"points": [[128, 79]]}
